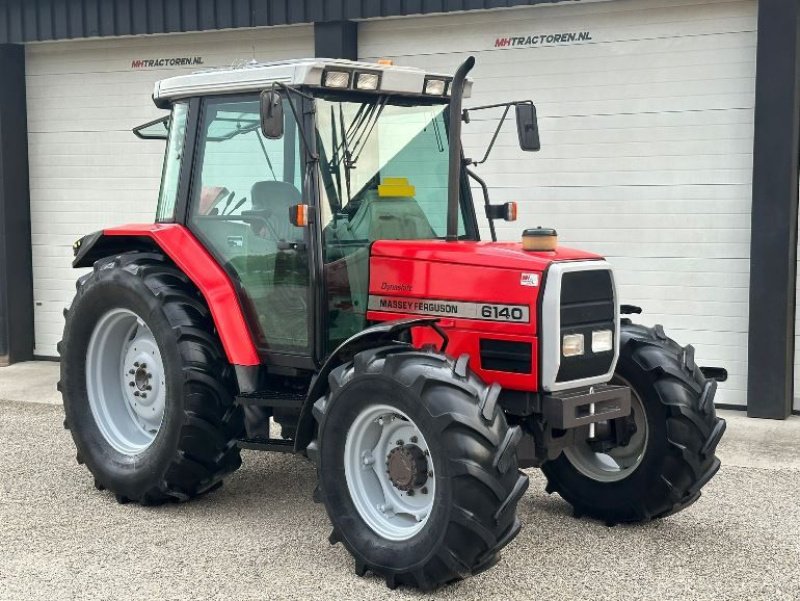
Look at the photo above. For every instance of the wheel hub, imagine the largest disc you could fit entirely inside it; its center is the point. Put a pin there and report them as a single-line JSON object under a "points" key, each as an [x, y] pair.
{"points": [[605, 461], [144, 376], [141, 378], [407, 467], [125, 381], [388, 468]]}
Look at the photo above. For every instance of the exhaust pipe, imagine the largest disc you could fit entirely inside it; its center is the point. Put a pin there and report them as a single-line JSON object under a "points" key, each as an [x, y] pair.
{"points": [[454, 176]]}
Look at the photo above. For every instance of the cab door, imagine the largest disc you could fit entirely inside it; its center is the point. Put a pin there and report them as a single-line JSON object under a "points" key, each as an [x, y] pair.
{"points": [[242, 187]]}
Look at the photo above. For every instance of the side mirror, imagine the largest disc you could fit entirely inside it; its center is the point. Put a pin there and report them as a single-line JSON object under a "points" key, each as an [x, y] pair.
{"points": [[528, 127], [271, 115]]}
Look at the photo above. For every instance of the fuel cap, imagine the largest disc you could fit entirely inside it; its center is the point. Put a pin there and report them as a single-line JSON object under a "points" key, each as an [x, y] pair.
{"points": [[539, 239]]}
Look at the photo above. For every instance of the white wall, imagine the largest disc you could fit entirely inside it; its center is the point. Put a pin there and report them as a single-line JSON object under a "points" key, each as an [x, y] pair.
{"points": [[87, 170], [647, 135]]}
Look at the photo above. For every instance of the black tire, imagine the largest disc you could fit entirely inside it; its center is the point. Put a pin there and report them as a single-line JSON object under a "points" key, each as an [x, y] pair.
{"points": [[474, 458], [196, 444], [683, 434]]}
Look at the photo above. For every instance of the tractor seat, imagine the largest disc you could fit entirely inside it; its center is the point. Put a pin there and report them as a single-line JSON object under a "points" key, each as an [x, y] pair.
{"points": [[271, 200]]}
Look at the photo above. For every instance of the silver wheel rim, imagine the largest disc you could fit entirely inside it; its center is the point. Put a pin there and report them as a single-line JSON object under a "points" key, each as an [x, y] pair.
{"points": [[390, 512], [125, 381], [619, 463]]}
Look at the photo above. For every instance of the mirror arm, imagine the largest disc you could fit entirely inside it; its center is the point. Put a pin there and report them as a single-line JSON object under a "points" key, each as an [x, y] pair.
{"points": [[494, 137], [486, 200]]}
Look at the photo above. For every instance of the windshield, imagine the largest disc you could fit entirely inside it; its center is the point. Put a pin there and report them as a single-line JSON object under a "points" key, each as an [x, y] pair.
{"points": [[384, 169]]}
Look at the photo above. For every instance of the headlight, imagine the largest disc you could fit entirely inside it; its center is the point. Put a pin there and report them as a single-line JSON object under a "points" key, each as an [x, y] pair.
{"points": [[435, 87], [602, 341], [572, 345], [336, 79], [367, 81]]}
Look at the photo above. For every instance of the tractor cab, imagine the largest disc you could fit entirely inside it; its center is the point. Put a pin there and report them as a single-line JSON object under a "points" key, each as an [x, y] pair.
{"points": [[292, 171]]}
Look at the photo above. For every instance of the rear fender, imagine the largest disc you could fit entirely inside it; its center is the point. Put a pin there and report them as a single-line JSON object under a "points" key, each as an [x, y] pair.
{"points": [[191, 257], [374, 336]]}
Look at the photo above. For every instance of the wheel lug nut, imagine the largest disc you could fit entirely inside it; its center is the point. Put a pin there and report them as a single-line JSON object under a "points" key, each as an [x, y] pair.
{"points": [[413, 439], [149, 375], [148, 387], [135, 393], [430, 474], [131, 384], [131, 371], [136, 364], [410, 493], [424, 490], [144, 396], [144, 366], [399, 442]]}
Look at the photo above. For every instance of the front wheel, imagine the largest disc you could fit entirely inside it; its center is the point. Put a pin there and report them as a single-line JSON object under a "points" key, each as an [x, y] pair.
{"points": [[417, 467], [670, 455]]}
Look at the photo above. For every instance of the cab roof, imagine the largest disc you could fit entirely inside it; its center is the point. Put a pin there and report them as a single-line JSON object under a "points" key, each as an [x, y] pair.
{"points": [[254, 76]]}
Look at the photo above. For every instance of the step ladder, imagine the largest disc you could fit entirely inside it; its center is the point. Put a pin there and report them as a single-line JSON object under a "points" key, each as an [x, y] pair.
{"points": [[272, 399]]}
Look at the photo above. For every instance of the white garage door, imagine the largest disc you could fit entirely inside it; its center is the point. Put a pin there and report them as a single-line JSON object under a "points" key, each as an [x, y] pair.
{"points": [[87, 170], [646, 112]]}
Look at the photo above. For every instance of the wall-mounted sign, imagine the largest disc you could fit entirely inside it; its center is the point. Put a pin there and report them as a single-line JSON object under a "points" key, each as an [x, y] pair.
{"points": [[174, 61], [543, 39]]}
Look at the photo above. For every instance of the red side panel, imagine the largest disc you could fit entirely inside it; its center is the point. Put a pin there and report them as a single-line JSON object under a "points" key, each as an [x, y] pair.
{"points": [[194, 260], [406, 279], [452, 280]]}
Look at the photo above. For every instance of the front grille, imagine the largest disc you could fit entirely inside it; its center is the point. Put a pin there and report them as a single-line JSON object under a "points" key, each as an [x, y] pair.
{"points": [[587, 304]]}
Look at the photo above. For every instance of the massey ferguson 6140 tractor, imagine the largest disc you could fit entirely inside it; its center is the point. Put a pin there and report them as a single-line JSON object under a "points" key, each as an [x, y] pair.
{"points": [[315, 265]]}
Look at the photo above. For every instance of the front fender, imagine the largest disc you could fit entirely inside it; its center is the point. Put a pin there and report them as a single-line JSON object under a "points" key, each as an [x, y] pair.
{"points": [[377, 335], [191, 257]]}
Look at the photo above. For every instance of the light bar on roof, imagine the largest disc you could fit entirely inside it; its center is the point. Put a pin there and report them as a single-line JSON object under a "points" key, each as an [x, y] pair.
{"points": [[435, 86], [336, 79], [367, 81]]}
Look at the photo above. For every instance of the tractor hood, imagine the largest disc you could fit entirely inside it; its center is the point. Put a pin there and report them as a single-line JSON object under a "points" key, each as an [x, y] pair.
{"points": [[504, 255]]}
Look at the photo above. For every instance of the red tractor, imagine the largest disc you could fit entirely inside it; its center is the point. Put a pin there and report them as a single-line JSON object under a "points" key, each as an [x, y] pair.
{"points": [[315, 284]]}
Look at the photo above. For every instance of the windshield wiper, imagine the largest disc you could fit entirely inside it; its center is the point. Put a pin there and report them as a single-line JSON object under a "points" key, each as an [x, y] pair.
{"points": [[369, 125], [333, 166], [346, 150]]}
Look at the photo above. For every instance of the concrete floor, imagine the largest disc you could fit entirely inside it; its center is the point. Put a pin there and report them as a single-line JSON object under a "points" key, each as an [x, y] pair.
{"points": [[261, 536]]}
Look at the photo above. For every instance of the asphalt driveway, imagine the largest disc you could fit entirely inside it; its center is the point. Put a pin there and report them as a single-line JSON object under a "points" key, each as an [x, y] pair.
{"points": [[261, 536]]}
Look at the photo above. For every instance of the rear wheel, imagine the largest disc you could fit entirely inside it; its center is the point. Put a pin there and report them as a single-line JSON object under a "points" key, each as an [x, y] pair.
{"points": [[417, 467], [148, 392], [670, 455]]}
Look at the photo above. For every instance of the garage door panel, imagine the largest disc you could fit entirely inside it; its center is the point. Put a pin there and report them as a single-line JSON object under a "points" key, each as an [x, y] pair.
{"points": [[87, 169], [587, 106], [633, 22], [109, 55], [596, 144], [627, 178], [627, 62]]}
